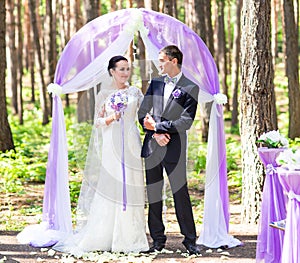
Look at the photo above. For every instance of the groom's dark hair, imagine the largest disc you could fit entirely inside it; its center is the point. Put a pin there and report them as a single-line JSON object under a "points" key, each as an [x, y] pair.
{"points": [[173, 51]]}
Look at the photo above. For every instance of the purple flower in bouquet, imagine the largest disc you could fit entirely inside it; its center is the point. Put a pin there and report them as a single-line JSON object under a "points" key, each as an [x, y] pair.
{"points": [[119, 101], [176, 93]]}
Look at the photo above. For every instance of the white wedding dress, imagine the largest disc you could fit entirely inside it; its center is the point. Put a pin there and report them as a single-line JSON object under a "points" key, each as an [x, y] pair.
{"points": [[108, 221]]}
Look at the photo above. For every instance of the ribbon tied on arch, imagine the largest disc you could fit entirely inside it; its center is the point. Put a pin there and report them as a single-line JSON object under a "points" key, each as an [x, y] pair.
{"points": [[54, 89], [219, 99]]}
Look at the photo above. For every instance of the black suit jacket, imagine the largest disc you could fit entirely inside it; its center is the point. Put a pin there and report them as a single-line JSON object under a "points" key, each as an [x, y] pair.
{"points": [[176, 118]]}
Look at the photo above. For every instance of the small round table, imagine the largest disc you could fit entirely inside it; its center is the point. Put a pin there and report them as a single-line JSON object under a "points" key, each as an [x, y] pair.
{"points": [[290, 180], [273, 208]]}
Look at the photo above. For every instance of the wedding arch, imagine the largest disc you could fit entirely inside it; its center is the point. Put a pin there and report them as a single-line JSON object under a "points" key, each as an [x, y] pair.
{"points": [[83, 64]]}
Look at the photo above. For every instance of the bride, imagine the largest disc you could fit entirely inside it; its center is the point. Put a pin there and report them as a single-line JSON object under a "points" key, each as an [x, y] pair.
{"points": [[110, 213]]}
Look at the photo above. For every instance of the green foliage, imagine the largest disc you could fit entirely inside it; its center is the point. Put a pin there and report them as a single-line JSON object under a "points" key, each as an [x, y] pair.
{"points": [[200, 163], [233, 154], [28, 161], [78, 136]]}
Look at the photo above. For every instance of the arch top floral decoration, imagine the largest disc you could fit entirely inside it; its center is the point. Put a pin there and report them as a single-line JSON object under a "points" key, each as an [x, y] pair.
{"points": [[83, 64]]}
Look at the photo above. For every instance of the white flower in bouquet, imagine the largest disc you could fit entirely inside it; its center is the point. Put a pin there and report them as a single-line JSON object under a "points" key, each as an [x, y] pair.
{"points": [[273, 139], [290, 159]]}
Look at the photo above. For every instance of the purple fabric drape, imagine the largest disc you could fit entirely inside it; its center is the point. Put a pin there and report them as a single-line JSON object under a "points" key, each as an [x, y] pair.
{"points": [[290, 181], [273, 208], [49, 209]]}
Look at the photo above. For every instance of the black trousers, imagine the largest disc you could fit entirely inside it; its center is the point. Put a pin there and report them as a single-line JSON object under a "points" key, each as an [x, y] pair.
{"points": [[177, 177]]}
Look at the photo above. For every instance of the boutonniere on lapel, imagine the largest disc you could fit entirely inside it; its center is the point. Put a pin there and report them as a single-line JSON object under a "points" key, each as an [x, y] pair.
{"points": [[177, 93]]}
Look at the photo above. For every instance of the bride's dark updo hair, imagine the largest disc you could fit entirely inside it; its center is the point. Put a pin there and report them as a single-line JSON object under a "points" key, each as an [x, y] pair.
{"points": [[113, 61]]}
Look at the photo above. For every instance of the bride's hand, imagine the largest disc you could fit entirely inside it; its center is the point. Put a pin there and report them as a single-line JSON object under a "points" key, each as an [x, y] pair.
{"points": [[117, 116], [113, 117], [101, 113]]}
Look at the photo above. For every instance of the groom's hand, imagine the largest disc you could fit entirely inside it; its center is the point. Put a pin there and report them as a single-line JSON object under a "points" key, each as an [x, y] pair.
{"points": [[162, 139], [149, 122]]}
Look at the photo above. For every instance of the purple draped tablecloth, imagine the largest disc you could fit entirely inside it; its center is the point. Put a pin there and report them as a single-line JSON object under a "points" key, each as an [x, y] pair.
{"points": [[273, 208], [290, 181]]}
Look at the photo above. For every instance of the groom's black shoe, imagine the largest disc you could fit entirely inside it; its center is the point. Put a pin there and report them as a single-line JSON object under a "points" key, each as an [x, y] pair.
{"points": [[192, 249], [156, 247]]}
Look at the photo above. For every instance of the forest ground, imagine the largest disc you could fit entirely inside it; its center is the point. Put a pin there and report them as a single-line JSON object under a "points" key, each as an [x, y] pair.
{"points": [[11, 251]]}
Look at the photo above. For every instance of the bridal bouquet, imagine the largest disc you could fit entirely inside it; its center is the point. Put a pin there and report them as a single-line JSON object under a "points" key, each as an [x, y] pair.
{"points": [[119, 101], [290, 159], [273, 139]]}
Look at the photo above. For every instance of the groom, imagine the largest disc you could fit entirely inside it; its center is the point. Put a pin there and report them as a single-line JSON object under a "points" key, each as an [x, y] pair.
{"points": [[172, 99]]}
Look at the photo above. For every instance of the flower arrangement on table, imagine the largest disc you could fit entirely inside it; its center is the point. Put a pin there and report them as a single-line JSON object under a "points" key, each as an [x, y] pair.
{"points": [[273, 139], [290, 159]]}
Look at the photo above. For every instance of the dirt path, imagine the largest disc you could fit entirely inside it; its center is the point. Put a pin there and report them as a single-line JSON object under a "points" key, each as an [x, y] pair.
{"points": [[11, 251], [15, 252]]}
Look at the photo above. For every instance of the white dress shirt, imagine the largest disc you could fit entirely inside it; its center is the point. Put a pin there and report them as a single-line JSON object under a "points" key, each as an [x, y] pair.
{"points": [[169, 87]]}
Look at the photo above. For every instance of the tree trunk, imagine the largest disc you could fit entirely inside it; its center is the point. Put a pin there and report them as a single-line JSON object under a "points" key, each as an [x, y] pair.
{"points": [[91, 9], [87, 97], [113, 5], [29, 51], [215, 32], [61, 23], [152, 4], [169, 8], [229, 38], [296, 8], [189, 10], [200, 20], [6, 140], [50, 40], [236, 63], [197, 17], [208, 27], [222, 60], [142, 55], [13, 55], [257, 100], [292, 68], [20, 63], [52, 52], [283, 30], [274, 42], [43, 98], [78, 16]]}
